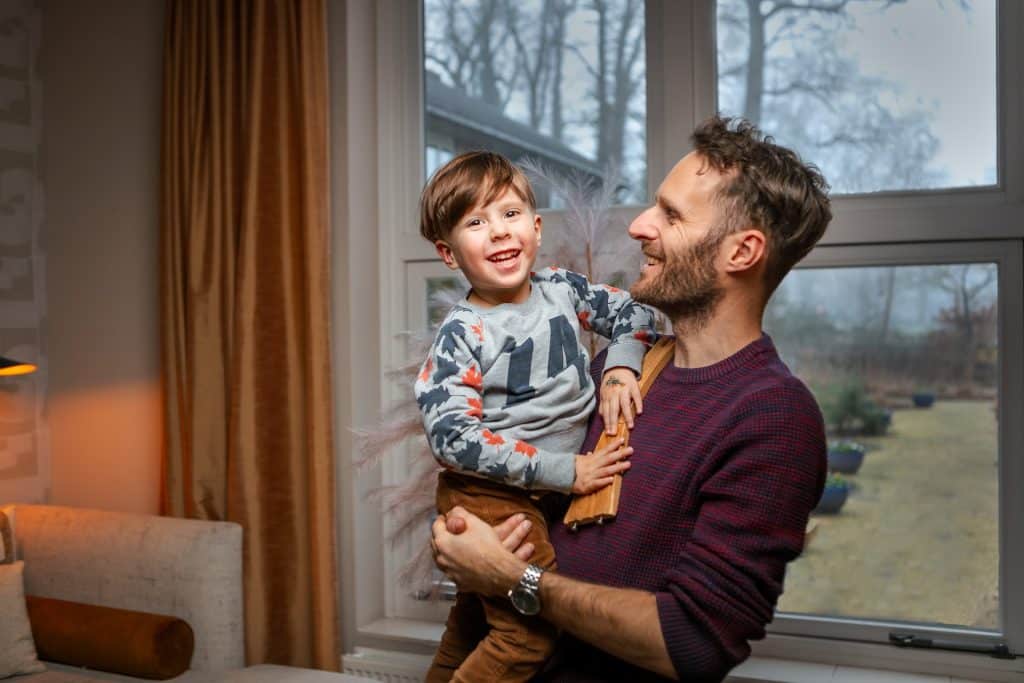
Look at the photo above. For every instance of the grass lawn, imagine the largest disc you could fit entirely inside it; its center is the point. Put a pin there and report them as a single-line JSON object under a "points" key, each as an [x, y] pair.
{"points": [[918, 537]]}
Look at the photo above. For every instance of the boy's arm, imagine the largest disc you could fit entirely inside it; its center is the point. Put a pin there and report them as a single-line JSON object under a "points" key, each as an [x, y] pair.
{"points": [[611, 313], [449, 394]]}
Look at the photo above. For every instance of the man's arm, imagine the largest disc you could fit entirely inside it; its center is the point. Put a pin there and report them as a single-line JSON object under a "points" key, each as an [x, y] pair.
{"points": [[621, 621]]}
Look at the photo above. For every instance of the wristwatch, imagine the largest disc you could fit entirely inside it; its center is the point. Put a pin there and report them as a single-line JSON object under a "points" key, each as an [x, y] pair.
{"points": [[525, 595]]}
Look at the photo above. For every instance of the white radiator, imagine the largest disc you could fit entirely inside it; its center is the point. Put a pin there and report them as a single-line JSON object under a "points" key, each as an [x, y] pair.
{"points": [[386, 665]]}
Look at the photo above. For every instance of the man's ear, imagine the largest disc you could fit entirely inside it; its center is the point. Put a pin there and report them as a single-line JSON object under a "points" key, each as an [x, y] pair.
{"points": [[746, 250], [446, 254]]}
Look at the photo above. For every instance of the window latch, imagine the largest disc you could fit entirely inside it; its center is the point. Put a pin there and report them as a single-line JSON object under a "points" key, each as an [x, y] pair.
{"points": [[997, 650]]}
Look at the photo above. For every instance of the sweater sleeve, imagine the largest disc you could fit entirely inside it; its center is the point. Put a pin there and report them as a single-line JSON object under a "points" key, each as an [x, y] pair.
{"points": [[754, 507], [449, 395], [611, 313]]}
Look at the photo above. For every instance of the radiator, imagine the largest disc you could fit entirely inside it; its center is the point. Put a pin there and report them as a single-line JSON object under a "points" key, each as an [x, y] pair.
{"points": [[385, 665]]}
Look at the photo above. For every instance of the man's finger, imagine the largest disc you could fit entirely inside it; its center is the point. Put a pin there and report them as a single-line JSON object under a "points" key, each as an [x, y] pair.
{"points": [[524, 552], [638, 399], [455, 525], [518, 534], [506, 528]]}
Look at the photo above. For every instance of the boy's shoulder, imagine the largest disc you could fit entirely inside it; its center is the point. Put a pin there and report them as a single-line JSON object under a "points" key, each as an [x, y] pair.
{"points": [[556, 277]]}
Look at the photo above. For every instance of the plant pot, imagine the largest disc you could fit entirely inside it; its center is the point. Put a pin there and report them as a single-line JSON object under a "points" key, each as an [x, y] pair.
{"points": [[832, 500], [923, 399], [845, 461]]}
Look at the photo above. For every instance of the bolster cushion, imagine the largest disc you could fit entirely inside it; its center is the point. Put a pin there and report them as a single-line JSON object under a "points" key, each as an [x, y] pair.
{"points": [[120, 641]]}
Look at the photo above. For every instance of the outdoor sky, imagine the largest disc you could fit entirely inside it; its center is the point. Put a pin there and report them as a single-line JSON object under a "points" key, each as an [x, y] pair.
{"points": [[946, 57]]}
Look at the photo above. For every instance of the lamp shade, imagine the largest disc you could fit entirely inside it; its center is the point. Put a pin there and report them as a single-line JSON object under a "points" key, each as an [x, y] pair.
{"points": [[10, 367]]}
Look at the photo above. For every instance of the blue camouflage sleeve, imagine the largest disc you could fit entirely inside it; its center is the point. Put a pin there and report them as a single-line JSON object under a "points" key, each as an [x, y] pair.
{"points": [[611, 313]]}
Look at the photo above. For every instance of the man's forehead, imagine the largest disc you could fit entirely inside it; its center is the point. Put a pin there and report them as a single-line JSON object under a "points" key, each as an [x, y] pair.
{"points": [[691, 179]]}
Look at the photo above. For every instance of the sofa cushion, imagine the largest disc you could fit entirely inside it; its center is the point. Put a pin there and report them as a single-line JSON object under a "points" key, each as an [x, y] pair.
{"points": [[17, 649], [141, 644]]}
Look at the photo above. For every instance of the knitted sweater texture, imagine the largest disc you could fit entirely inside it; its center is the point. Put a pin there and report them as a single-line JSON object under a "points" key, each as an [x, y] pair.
{"points": [[729, 461]]}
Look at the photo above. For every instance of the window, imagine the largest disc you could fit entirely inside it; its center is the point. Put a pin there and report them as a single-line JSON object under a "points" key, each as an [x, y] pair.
{"points": [[880, 95], [913, 213], [903, 361], [561, 83]]}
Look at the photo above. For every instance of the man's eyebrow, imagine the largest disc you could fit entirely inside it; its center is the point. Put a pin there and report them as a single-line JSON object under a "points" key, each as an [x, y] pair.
{"points": [[667, 206]]}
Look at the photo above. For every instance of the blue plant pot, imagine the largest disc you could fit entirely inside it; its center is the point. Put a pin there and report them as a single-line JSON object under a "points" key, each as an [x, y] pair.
{"points": [[845, 462], [832, 500], [923, 399]]}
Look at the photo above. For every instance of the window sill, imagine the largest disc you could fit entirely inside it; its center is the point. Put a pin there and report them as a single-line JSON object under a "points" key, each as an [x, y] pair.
{"points": [[777, 659]]}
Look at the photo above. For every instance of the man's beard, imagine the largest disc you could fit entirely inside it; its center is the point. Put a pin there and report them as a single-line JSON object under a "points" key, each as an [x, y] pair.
{"points": [[686, 289]]}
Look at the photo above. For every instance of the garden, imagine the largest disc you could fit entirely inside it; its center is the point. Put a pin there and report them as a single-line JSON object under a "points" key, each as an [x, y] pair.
{"points": [[907, 528]]}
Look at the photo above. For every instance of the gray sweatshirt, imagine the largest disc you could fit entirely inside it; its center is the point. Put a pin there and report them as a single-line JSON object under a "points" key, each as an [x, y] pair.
{"points": [[505, 392]]}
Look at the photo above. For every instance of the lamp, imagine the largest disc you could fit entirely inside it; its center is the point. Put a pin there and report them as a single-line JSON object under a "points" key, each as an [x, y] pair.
{"points": [[9, 368]]}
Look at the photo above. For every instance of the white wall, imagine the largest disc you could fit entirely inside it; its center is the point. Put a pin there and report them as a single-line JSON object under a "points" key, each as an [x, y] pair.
{"points": [[101, 66]]}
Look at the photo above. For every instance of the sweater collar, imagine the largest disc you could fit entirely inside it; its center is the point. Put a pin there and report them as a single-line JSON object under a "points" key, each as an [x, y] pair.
{"points": [[738, 360]]}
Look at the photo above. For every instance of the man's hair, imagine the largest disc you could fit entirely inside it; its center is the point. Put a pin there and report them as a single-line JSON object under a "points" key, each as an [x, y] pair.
{"points": [[768, 187], [465, 181]]}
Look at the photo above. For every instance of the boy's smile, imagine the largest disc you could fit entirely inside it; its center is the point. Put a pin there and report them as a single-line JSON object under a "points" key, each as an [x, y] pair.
{"points": [[495, 246]]}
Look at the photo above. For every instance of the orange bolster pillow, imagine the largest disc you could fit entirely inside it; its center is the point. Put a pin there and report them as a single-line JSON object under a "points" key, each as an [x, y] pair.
{"points": [[120, 641]]}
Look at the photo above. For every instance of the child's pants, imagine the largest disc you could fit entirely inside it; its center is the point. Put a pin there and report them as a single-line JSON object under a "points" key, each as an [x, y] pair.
{"points": [[486, 639]]}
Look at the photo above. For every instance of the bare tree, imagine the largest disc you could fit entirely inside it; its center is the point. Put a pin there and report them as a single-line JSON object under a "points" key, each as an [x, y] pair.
{"points": [[787, 75], [970, 289]]}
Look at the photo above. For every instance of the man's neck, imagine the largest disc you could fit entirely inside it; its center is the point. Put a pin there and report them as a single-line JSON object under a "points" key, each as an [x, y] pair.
{"points": [[731, 327]]}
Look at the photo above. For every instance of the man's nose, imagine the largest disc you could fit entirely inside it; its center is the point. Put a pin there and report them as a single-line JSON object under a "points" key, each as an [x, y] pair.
{"points": [[643, 226]]}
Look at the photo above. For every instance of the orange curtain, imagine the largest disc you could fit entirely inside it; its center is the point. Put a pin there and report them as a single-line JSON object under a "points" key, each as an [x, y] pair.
{"points": [[245, 306]]}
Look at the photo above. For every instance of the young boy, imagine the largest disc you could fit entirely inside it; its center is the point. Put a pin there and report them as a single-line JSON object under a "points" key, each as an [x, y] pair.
{"points": [[506, 394]]}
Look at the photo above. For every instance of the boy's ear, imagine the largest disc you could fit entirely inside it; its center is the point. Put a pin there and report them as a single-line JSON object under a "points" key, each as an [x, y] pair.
{"points": [[538, 227], [746, 249], [446, 254]]}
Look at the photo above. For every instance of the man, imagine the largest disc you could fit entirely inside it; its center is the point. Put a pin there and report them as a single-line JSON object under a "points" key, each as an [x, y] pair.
{"points": [[729, 454]]}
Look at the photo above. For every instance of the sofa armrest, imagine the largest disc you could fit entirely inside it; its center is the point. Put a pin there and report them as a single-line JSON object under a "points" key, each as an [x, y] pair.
{"points": [[186, 568]]}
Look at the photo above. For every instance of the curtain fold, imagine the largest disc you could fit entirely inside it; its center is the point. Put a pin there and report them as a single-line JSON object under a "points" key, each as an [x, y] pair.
{"points": [[245, 306]]}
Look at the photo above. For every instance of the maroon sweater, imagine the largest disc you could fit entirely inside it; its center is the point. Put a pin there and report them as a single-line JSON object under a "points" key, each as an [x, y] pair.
{"points": [[728, 462]]}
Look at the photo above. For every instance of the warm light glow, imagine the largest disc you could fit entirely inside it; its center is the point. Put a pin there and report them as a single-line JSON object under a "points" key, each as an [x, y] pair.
{"points": [[10, 367]]}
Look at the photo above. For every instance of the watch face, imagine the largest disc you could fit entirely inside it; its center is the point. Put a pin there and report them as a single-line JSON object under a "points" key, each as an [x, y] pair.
{"points": [[525, 601]]}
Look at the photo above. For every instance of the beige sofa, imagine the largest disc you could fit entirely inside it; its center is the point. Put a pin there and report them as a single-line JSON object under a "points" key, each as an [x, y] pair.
{"points": [[186, 568]]}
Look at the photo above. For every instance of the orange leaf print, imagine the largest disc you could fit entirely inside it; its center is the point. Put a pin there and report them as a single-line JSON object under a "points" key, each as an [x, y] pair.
{"points": [[427, 369], [584, 317], [476, 407], [526, 449], [473, 378], [478, 330], [644, 336], [492, 439]]}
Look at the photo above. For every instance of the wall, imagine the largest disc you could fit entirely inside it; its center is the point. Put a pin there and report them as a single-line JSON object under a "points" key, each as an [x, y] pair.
{"points": [[24, 449], [100, 65]]}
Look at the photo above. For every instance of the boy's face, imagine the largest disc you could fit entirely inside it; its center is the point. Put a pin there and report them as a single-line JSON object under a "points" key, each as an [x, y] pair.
{"points": [[495, 246]]}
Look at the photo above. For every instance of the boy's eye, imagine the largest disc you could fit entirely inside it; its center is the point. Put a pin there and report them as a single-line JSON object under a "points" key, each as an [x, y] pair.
{"points": [[511, 213], [473, 222]]}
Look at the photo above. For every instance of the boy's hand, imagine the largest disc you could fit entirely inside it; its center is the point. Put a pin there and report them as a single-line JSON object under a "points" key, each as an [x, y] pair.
{"points": [[620, 392], [596, 470]]}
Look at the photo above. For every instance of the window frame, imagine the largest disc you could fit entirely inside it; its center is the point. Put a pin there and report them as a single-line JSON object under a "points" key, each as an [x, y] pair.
{"points": [[377, 85]]}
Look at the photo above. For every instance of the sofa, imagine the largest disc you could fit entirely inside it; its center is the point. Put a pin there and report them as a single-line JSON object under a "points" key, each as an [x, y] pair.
{"points": [[189, 569]]}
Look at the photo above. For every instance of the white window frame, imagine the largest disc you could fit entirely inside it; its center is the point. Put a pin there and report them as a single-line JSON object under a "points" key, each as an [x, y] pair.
{"points": [[377, 95]]}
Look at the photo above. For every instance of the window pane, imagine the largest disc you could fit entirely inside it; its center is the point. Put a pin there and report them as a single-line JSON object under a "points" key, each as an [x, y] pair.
{"points": [[559, 82], [904, 363], [880, 95]]}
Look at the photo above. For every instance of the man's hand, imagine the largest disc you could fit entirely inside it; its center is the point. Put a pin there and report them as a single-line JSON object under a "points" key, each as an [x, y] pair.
{"points": [[597, 470], [477, 557]]}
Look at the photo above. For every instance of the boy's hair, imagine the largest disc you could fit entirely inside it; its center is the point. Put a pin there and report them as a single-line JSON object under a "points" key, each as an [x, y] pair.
{"points": [[465, 181], [769, 187]]}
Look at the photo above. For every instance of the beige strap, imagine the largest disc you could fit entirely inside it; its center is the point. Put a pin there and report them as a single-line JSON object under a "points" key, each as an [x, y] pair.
{"points": [[601, 506]]}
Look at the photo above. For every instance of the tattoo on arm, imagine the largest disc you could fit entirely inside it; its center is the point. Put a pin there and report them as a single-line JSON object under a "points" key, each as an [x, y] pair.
{"points": [[613, 381]]}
